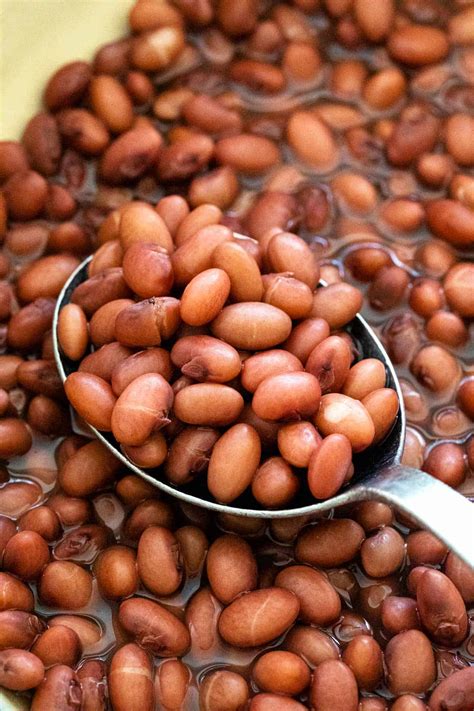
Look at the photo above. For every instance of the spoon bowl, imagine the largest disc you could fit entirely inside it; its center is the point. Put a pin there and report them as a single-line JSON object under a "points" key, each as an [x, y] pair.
{"points": [[378, 474]]}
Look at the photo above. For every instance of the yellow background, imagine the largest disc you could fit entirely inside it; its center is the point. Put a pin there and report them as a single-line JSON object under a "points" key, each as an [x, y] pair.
{"points": [[36, 37]]}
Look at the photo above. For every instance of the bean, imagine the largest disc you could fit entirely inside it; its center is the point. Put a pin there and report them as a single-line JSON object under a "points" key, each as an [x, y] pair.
{"points": [[423, 548], [247, 153], [152, 360], [329, 465], [83, 131], [25, 555], [450, 220], [274, 483], [193, 544], [202, 614], [441, 608], [364, 377], [243, 271], [132, 490], [159, 561], [417, 45], [25, 194], [91, 467], [237, 21], [461, 575], [153, 627], [205, 358], [382, 406], [45, 277], [305, 336], [71, 511], [233, 461], [130, 680], [274, 702], [184, 158], [410, 663], [364, 657], [15, 439], [436, 378], [329, 543], [292, 296], [19, 629], [286, 396], [319, 602], [111, 103], [42, 143], [334, 687], [189, 453], [103, 361], [281, 673], [312, 645], [60, 689], [151, 454], [204, 297], [192, 222], [116, 573], [376, 23], [456, 289], [231, 568], [194, 255], [330, 362], [287, 252], [67, 86], [297, 441], [139, 223], [20, 670], [399, 614], [58, 645], [339, 414], [72, 331], [102, 324], [148, 513], [92, 397], [147, 270], [141, 409], [312, 141], [66, 585], [210, 116], [172, 682], [272, 326], [208, 404], [130, 155], [40, 376], [105, 286], [156, 50], [383, 553], [258, 617], [92, 678], [221, 690], [456, 691], [13, 159]]}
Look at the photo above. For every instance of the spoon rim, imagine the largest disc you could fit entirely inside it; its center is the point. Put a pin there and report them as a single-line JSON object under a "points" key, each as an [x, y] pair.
{"points": [[320, 507]]}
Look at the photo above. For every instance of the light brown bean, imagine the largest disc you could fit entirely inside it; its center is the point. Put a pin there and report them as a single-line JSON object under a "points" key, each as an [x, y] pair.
{"points": [[189, 453], [233, 462], [263, 365], [319, 602], [72, 331], [20, 670], [329, 465], [287, 396], [312, 141], [441, 608], [274, 483], [172, 682], [223, 689], [339, 414], [231, 568], [330, 362], [92, 398], [159, 561], [92, 467], [334, 687], [281, 673], [208, 404], [116, 573], [152, 360], [410, 663], [329, 543], [242, 269], [141, 409], [271, 325], [130, 680], [204, 297], [153, 627], [364, 377]]}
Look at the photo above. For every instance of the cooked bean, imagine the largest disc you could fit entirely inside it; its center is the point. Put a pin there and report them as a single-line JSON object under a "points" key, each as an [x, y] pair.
{"points": [[287, 252], [274, 483], [116, 573], [451, 220], [435, 368], [312, 141], [231, 568], [441, 608], [93, 681], [194, 255], [319, 602], [58, 645], [410, 663], [364, 657], [456, 289], [241, 268], [311, 644], [66, 585], [292, 296], [91, 467], [399, 614], [130, 155], [334, 687], [159, 561], [274, 702], [287, 396], [208, 404], [223, 689], [172, 682], [382, 406], [271, 325], [297, 441], [149, 455], [141, 409], [153, 627], [258, 617], [456, 691], [25, 555], [329, 543], [204, 297], [417, 45], [329, 465], [247, 153], [281, 673], [148, 513], [233, 461], [423, 548], [139, 222], [189, 453], [152, 360], [15, 439], [72, 331], [205, 358], [383, 553], [461, 575], [364, 377], [92, 397], [130, 680], [330, 362], [101, 288], [339, 414], [147, 270]]}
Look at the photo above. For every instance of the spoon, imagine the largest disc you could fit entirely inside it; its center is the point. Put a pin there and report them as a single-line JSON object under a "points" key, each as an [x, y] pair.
{"points": [[379, 474]]}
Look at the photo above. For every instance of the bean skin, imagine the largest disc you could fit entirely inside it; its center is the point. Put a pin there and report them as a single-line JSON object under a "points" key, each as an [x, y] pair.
{"points": [[172, 682], [382, 406], [364, 657], [274, 483], [244, 274], [287, 252], [152, 360], [364, 377], [311, 644], [337, 304], [60, 689], [223, 689], [233, 462]]}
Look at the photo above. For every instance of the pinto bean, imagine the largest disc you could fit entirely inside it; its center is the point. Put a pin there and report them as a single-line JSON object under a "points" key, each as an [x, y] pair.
{"points": [[208, 404], [339, 414], [58, 645], [287, 252], [312, 141], [223, 689], [457, 691], [329, 465], [274, 483], [141, 409], [319, 602], [242, 269], [272, 326], [410, 663], [116, 572], [334, 687], [153, 627], [441, 608], [205, 358], [92, 397], [233, 462], [91, 467], [172, 682], [330, 362], [364, 657], [195, 254], [287, 396], [130, 680], [204, 297], [329, 543], [231, 568], [258, 617], [247, 153], [159, 561], [189, 453]]}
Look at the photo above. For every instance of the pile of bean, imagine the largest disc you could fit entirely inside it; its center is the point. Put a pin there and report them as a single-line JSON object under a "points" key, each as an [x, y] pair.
{"points": [[349, 124], [150, 291]]}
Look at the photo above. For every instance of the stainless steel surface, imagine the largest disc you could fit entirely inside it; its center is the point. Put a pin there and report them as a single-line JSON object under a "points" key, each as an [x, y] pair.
{"points": [[378, 472]]}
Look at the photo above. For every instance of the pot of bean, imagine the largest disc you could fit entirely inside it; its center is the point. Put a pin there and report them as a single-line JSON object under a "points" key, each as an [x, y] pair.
{"points": [[236, 365]]}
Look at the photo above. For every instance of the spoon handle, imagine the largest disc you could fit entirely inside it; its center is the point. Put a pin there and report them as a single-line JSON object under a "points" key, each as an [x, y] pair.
{"points": [[432, 504]]}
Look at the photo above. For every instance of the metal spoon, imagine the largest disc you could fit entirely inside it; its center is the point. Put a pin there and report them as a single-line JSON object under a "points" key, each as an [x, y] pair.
{"points": [[378, 474]]}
